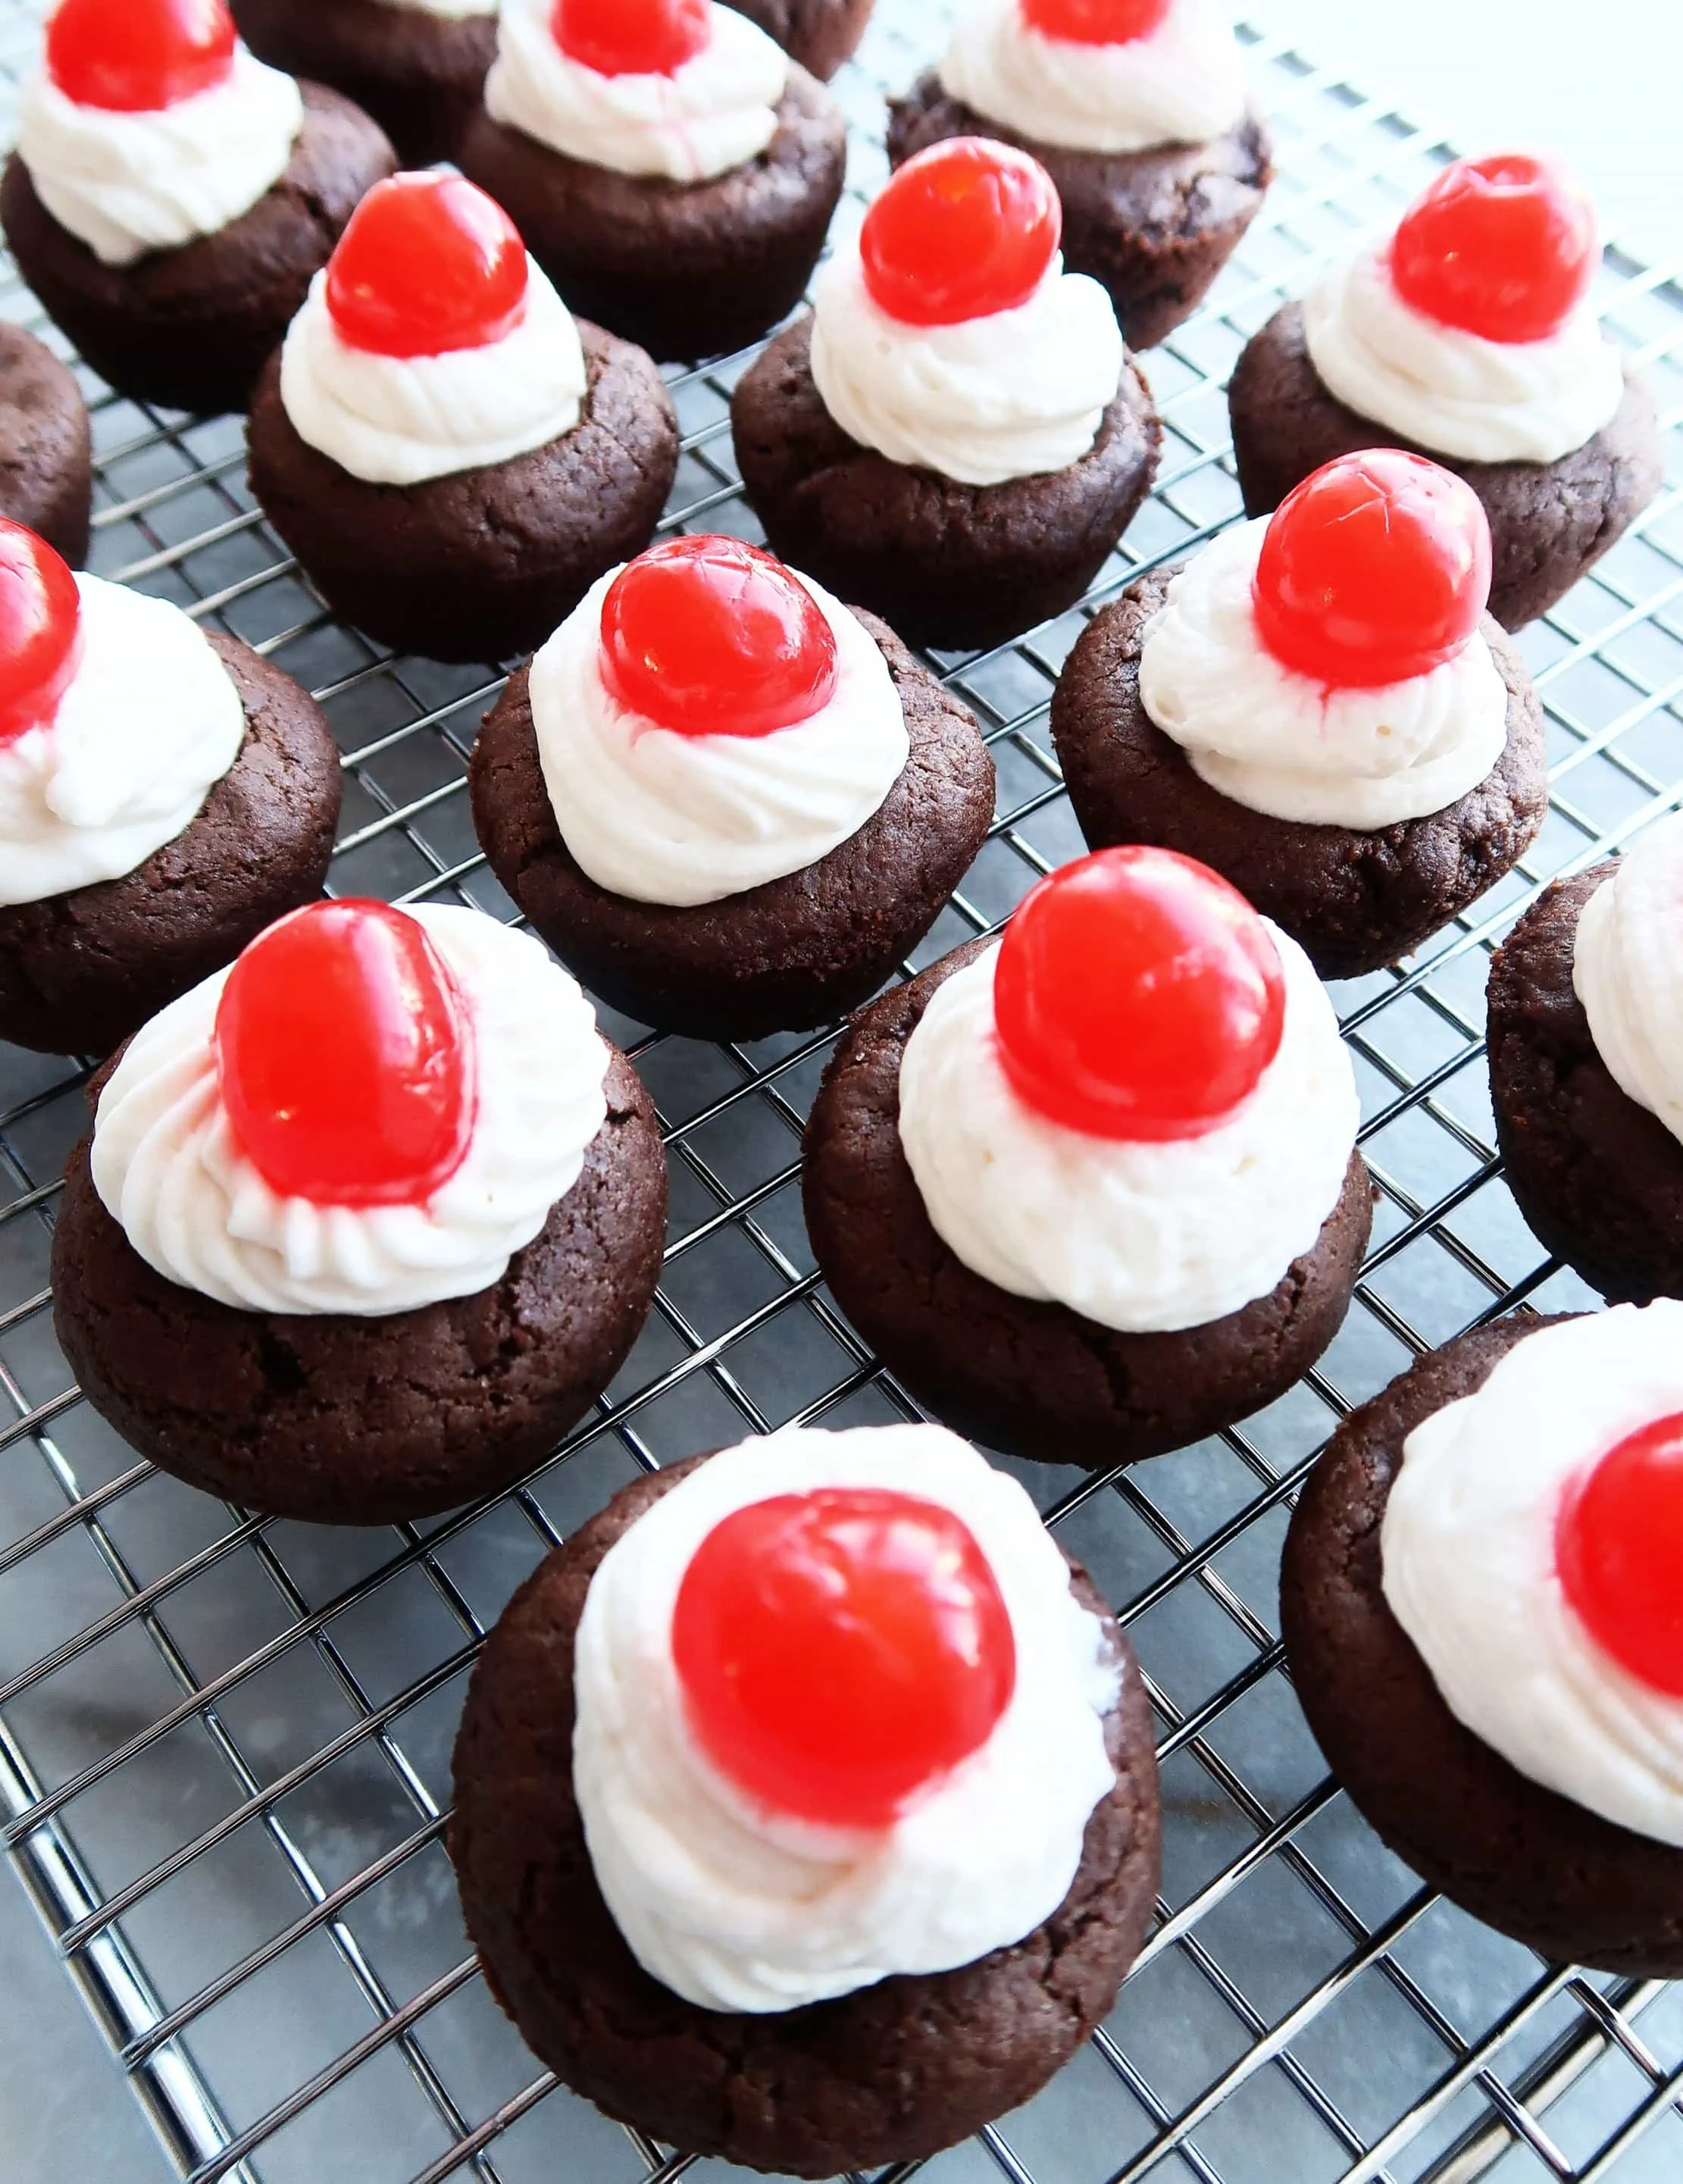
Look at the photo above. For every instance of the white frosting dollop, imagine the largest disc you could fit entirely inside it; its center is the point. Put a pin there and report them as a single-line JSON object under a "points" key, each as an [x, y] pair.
{"points": [[1456, 392], [1182, 83], [149, 725], [1470, 1573], [130, 183], [663, 817], [399, 419], [1279, 741], [1144, 1237], [739, 1908], [1627, 968], [717, 111], [168, 1167], [452, 11], [1014, 394]]}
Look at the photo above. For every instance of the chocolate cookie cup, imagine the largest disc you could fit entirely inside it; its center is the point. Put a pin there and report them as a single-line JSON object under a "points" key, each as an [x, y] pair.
{"points": [[956, 566], [189, 329], [1155, 228], [481, 564], [1531, 1862], [1034, 1380], [419, 75], [46, 452], [1549, 521], [819, 34], [1356, 900], [339, 1420], [687, 270], [892, 2072], [1597, 1177], [789, 955], [79, 971]]}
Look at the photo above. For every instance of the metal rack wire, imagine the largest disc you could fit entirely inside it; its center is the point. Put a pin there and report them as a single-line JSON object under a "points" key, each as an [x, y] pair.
{"points": [[224, 1742]]}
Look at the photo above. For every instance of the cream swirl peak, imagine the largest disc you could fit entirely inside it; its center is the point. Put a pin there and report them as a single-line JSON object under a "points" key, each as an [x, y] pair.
{"points": [[1627, 969]]}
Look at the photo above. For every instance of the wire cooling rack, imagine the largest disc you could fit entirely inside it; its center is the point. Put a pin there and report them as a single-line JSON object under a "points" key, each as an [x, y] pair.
{"points": [[224, 1742]]}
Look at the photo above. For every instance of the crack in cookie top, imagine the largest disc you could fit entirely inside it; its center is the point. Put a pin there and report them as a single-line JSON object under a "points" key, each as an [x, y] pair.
{"points": [[1627, 969]]}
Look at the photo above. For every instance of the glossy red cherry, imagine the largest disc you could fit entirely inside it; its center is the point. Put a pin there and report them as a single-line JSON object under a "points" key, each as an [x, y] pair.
{"points": [[1137, 995], [963, 229], [137, 56], [426, 264], [1095, 22], [840, 1650], [1618, 1546], [1376, 568], [345, 1056], [1505, 248], [712, 638], [40, 630], [631, 37]]}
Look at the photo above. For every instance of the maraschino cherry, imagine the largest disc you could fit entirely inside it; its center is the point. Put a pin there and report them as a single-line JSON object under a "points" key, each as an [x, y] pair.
{"points": [[428, 264], [1504, 246], [709, 637], [1618, 1546], [345, 1058], [139, 56], [841, 1650], [1376, 568], [1095, 22], [964, 229], [631, 37], [1137, 995], [41, 638]]}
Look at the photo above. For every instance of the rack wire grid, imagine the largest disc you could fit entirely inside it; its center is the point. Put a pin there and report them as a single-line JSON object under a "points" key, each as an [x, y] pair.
{"points": [[224, 1741]]}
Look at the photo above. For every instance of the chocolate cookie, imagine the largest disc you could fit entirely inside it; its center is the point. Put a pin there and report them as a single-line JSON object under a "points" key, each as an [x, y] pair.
{"points": [[420, 75], [950, 565], [337, 1420], [1355, 901], [686, 269], [794, 954], [1549, 521], [820, 34], [892, 2073], [1599, 1179], [1530, 1863], [46, 456], [1034, 1380], [1154, 227], [189, 329], [79, 971], [483, 563]]}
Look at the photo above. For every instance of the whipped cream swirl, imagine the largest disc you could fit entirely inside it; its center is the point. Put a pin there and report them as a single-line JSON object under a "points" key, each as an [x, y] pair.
{"points": [[400, 419], [663, 817], [1014, 394], [169, 1169], [1628, 972], [449, 11], [147, 727], [717, 111], [1456, 392], [130, 183], [1280, 742], [1144, 1237], [1182, 83], [1470, 1572], [739, 1908]]}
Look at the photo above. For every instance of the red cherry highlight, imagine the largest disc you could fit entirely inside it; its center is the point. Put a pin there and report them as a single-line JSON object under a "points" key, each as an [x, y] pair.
{"points": [[345, 1056], [962, 231], [40, 638], [708, 637], [139, 56], [1095, 22], [840, 1651], [1504, 246], [1375, 569], [1618, 1547], [631, 37], [428, 264], [1137, 996]]}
